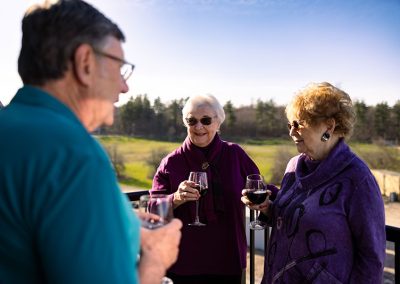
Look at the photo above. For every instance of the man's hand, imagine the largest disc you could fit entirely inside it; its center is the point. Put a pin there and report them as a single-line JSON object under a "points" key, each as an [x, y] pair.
{"points": [[159, 249]]}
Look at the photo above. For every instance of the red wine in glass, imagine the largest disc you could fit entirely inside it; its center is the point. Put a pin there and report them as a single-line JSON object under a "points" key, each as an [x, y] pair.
{"points": [[257, 197], [201, 189]]}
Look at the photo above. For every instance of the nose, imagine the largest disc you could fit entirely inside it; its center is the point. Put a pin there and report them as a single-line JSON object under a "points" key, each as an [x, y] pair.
{"points": [[291, 131], [124, 86], [198, 124]]}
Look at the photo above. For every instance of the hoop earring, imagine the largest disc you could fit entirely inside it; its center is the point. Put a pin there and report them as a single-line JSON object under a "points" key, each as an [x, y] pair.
{"points": [[325, 137]]}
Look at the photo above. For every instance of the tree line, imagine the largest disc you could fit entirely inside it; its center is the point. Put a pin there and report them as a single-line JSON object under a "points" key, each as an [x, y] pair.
{"points": [[261, 120]]}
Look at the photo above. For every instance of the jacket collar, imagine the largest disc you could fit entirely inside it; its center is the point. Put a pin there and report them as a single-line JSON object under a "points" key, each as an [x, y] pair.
{"points": [[338, 159]]}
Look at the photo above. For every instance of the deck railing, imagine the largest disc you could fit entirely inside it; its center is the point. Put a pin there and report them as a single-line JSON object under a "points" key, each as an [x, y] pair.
{"points": [[392, 235]]}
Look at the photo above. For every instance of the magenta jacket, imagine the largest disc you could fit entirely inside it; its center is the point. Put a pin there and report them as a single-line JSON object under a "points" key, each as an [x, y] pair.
{"points": [[220, 247]]}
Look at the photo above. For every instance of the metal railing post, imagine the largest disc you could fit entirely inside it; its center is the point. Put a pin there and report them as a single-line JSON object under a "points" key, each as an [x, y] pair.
{"points": [[393, 235], [252, 250]]}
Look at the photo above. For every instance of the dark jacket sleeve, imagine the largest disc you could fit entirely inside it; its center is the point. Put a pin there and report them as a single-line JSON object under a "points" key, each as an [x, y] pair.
{"points": [[367, 224]]}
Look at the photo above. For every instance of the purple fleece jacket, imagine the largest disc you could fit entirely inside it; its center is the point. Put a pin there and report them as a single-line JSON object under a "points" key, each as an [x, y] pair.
{"points": [[220, 247], [328, 223]]}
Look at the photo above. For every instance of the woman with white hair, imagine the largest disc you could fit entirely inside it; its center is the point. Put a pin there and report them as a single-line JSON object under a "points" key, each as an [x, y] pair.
{"points": [[216, 252]]}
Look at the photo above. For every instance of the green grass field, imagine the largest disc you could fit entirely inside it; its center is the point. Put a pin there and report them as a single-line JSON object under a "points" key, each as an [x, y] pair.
{"points": [[137, 151]]}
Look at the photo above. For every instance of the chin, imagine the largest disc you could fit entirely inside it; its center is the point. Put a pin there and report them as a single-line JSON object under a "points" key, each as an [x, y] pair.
{"points": [[109, 118], [109, 122], [201, 144], [300, 149]]}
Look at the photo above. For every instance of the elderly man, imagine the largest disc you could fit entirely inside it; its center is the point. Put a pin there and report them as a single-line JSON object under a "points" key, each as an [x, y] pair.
{"points": [[63, 216]]}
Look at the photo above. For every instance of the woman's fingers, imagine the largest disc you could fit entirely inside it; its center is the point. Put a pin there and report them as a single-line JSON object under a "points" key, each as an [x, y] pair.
{"points": [[187, 192], [252, 206]]}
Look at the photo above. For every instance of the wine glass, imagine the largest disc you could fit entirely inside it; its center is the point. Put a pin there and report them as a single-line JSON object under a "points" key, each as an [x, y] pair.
{"points": [[256, 193], [201, 184], [160, 205], [156, 204]]}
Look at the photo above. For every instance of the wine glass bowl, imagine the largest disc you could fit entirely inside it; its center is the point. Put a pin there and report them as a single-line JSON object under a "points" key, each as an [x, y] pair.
{"points": [[159, 207], [201, 188], [201, 184], [257, 194]]}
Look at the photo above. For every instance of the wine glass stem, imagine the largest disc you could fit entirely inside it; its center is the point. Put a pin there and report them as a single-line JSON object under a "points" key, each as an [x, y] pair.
{"points": [[197, 220]]}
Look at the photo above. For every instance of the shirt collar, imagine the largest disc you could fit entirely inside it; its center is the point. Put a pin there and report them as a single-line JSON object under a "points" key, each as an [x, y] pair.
{"points": [[34, 96]]}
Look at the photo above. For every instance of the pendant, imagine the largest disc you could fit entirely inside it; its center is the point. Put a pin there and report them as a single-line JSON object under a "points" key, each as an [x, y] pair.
{"points": [[205, 165]]}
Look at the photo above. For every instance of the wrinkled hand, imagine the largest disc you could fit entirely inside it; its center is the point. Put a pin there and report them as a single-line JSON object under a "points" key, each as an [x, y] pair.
{"points": [[160, 249], [186, 192], [263, 207]]}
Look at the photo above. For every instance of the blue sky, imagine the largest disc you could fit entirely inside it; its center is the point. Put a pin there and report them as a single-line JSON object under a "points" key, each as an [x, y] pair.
{"points": [[243, 50]]}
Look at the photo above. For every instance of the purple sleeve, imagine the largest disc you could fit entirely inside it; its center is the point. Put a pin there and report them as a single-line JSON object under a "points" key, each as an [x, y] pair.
{"points": [[161, 181], [247, 165], [274, 191], [367, 224]]}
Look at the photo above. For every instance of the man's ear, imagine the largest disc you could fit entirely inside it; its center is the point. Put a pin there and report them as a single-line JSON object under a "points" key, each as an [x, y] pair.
{"points": [[84, 64]]}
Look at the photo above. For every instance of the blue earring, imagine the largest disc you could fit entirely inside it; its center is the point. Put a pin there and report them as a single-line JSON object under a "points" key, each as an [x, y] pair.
{"points": [[325, 137]]}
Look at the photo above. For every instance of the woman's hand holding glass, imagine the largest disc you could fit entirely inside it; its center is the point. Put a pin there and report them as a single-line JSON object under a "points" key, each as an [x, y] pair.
{"points": [[262, 207], [256, 195], [186, 192]]}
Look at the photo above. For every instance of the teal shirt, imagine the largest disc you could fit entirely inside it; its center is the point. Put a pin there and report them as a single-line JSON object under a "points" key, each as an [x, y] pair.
{"points": [[63, 218]]}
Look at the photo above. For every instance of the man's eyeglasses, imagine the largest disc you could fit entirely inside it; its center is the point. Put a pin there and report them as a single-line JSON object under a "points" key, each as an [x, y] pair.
{"points": [[193, 121], [295, 124], [126, 68]]}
